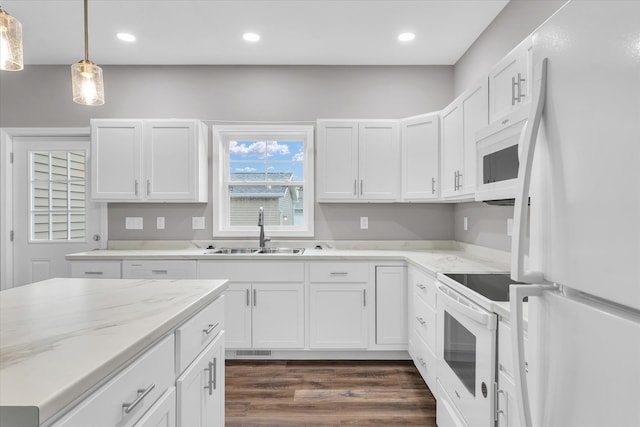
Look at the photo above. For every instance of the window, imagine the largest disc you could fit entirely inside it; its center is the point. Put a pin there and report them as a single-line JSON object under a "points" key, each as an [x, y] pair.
{"points": [[57, 188], [264, 166]]}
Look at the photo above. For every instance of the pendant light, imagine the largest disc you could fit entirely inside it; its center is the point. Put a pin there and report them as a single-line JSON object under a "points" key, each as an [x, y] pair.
{"points": [[10, 42], [86, 77]]}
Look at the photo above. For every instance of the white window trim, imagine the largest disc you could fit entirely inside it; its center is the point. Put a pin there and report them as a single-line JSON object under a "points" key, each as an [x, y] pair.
{"points": [[220, 160]]}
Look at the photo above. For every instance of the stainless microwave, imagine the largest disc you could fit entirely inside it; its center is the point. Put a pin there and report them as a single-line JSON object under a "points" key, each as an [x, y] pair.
{"points": [[497, 157]]}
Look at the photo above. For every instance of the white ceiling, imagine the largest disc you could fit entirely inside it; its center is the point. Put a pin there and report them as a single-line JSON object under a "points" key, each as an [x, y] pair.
{"points": [[293, 31]]}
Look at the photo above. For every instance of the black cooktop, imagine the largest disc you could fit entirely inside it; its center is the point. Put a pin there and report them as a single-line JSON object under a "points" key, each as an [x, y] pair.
{"points": [[490, 285]]}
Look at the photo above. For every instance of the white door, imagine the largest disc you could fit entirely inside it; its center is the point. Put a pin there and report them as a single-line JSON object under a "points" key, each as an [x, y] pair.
{"points": [[52, 214]]}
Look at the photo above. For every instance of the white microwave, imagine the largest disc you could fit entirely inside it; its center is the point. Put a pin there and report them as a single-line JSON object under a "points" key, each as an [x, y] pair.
{"points": [[497, 157]]}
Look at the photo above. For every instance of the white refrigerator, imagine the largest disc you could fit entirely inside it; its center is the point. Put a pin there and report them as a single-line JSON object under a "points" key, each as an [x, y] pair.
{"points": [[577, 221]]}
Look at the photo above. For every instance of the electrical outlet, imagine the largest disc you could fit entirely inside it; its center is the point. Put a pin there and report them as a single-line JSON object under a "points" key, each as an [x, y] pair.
{"points": [[509, 226], [197, 223], [133, 223], [465, 223], [364, 222], [160, 223]]}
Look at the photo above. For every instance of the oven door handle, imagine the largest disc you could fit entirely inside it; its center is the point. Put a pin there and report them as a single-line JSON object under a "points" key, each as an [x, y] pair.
{"points": [[467, 308]]}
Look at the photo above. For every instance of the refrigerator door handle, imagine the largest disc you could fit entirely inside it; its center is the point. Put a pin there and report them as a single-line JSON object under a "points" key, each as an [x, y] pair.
{"points": [[527, 145], [516, 294]]}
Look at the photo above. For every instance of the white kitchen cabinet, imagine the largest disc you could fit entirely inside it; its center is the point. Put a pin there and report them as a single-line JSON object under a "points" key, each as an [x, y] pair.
{"points": [[510, 81], [460, 121], [507, 406], [162, 413], [264, 303], [149, 161], [340, 297], [422, 324], [165, 269], [96, 269], [358, 161], [391, 306], [420, 150], [200, 388]]}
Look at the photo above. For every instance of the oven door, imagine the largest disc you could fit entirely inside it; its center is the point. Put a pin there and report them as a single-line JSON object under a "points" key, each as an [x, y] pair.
{"points": [[466, 347]]}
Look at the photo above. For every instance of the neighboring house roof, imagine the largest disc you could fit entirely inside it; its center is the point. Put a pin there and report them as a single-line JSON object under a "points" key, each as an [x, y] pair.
{"points": [[264, 192]]}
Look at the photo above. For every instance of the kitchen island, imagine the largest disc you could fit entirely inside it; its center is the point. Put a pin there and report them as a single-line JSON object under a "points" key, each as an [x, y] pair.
{"points": [[62, 341]]}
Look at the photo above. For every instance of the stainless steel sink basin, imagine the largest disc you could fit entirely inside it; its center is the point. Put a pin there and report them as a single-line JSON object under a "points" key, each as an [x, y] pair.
{"points": [[254, 251], [291, 251]]}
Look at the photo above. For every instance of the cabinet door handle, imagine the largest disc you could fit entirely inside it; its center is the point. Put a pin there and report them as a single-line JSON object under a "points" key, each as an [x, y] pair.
{"points": [[248, 298], [421, 320], [93, 273], [255, 299], [421, 286], [148, 187], [210, 368], [142, 393], [364, 297], [433, 185], [459, 180], [210, 328], [159, 271], [361, 187], [135, 187], [520, 82], [513, 91], [215, 373], [422, 362], [338, 273], [355, 187]]}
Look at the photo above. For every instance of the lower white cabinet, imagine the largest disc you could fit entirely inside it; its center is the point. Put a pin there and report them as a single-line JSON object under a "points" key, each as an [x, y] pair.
{"points": [[506, 405], [391, 305], [163, 413], [165, 269], [201, 388], [339, 316]]}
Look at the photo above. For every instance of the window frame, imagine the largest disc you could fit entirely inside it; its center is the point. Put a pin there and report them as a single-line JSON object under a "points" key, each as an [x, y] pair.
{"points": [[221, 162]]}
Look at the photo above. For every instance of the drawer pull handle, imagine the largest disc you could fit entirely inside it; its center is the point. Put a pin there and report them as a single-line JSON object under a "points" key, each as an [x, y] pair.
{"points": [[93, 273], [421, 286], [210, 328], [422, 362], [421, 320], [213, 376], [338, 273], [142, 393], [159, 271], [215, 373]]}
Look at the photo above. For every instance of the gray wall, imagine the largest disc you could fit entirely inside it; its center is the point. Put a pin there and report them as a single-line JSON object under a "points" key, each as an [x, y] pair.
{"points": [[486, 225], [41, 96], [516, 21]]}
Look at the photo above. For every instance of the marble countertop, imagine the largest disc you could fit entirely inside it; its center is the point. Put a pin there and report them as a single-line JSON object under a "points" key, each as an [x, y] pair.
{"points": [[61, 337], [434, 256]]}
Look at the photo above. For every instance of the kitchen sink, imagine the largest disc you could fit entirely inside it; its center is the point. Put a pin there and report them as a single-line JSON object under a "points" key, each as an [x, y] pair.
{"points": [[254, 251]]}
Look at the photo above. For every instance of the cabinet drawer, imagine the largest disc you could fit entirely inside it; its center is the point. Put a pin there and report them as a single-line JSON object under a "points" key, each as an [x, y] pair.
{"points": [[163, 413], [153, 371], [96, 270], [343, 272], [252, 271], [194, 335], [424, 322], [423, 286], [159, 269], [425, 361]]}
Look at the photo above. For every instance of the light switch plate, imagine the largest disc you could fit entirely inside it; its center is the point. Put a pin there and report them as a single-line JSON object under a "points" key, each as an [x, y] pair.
{"points": [[364, 222], [509, 226], [465, 223], [133, 223], [160, 223], [197, 223]]}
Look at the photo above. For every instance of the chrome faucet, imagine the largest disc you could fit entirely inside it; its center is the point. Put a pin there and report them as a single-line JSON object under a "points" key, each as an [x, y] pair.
{"points": [[263, 240]]}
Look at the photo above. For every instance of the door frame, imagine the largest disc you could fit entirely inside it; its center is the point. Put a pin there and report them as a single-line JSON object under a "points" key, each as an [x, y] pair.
{"points": [[7, 136]]}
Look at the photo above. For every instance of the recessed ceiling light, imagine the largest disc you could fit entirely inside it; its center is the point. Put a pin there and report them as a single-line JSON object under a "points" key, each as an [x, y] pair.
{"points": [[251, 37], [406, 37], [126, 37]]}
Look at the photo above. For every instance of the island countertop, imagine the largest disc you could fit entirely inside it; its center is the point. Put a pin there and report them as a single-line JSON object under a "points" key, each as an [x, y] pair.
{"points": [[61, 337]]}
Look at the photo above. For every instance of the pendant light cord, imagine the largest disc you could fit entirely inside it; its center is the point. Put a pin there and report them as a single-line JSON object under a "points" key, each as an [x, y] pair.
{"points": [[86, 31]]}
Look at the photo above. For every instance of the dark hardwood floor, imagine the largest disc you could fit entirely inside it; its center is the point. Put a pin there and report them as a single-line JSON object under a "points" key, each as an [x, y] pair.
{"points": [[326, 393]]}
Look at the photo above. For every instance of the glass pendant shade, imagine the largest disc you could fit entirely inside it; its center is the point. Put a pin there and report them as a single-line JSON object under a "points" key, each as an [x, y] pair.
{"points": [[10, 43], [86, 80]]}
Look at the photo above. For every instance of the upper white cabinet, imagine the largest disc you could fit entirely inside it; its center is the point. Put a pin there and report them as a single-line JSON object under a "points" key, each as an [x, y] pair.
{"points": [[358, 160], [460, 122], [510, 81], [421, 157], [149, 161]]}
